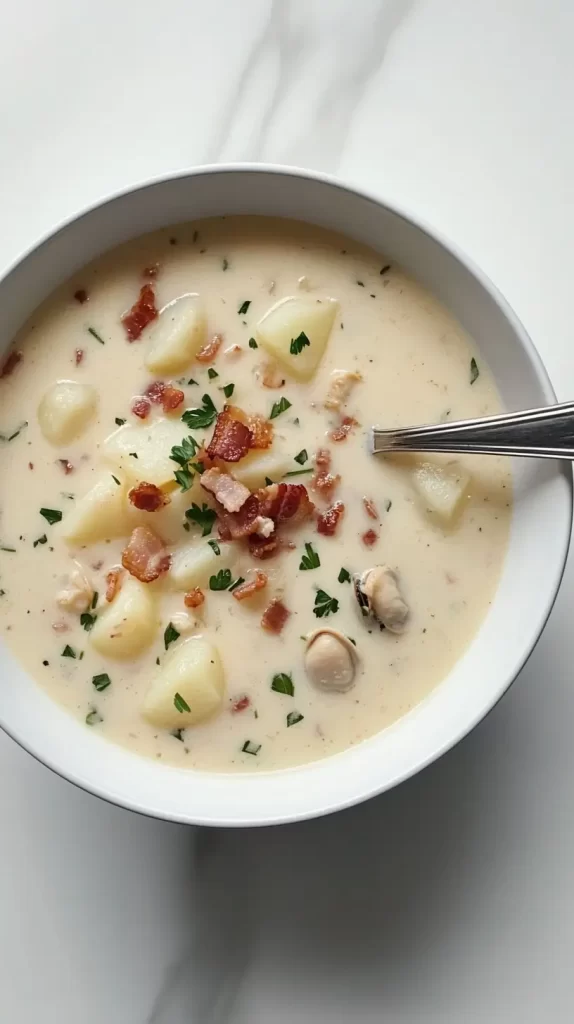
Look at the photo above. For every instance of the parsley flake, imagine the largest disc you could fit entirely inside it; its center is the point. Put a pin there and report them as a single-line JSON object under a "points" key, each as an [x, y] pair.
{"points": [[41, 540], [212, 374], [68, 652], [283, 683], [221, 581], [298, 344], [170, 636], [278, 407], [344, 576], [325, 605], [244, 307], [236, 583], [204, 517], [87, 620], [293, 717], [51, 515], [101, 682], [93, 717], [253, 343], [228, 390], [214, 547], [311, 559], [197, 419], [180, 704], [94, 333], [299, 472], [302, 457], [119, 421], [224, 264], [115, 479], [182, 453], [184, 478], [474, 371], [251, 748]]}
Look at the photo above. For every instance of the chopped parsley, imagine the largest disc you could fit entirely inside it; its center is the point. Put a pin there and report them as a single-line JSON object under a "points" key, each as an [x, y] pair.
{"points": [[93, 717], [5, 547], [115, 479], [170, 636], [87, 620], [325, 605], [228, 390], [94, 333], [388, 505], [385, 269], [354, 642], [184, 478], [268, 481], [180, 704], [41, 540], [361, 284], [244, 307], [302, 457], [311, 559], [204, 517], [212, 374], [224, 264], [249, 747], [344, 576], [293, 717], [133, 455], [68, 652], [182, 453], [51, 515], [299, 472], [101, 682], [214, 547], [191, 381], [298, 344], [119, 421], [278, 407], [196, 419], [253, 343], [222, 581], [283, 683], [236, 583], [10, 437], [177, 734], [474, 371], [94, 600]]}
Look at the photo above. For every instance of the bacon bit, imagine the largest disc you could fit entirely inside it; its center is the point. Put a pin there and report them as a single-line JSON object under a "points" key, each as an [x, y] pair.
{"points": [[283, 502], [194, 598], [145, 557], [141, 314], [341, 384], [240, 704], [225, 488], [231, 438], [275, 616], [60, 627], [262, 431], [172, 398], [370, 508], [30, 465], [251, 587], [113, 582], [342, 431], [233, 352], [270, 376], [324, 481], [233, 526], [262, 547], [151, 271], [79, 355], [11, 363], [141, 407], [147, 497], [369, 538], [209, 351], [328, 521], [154, 391], [66, 466], [81, 296]]}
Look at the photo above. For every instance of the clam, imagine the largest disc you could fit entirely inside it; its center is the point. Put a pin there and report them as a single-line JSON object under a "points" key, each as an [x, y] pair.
{"points": [[378, 596], [330, 660]]}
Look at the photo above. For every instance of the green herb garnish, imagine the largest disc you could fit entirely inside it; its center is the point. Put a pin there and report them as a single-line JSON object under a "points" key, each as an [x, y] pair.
{"points": [[293, 717], [299, 472], [228, 390], [191, 381], [133, 455], [474, 371], [311, 559], [253, 343], [388, 505], [177, 734], [170, 635], [283, 683], [302, 457], [325, 605], [180, 704], [119, 421], [204, 517], [268, 481], [251, 748], [236, 583], [93, 717], [222, 581], [224, 264], [214, 546], [6, 547], [41, 540], [182, 453], [197, 419], [94, 600], [212, 374], [244, 307], [278, 407], [87, 620], [94, 333], [344, 576], [10, 437], [115, 479], [68, 652], [51, 515], [298, 344], [184, 478], [101, 682]]}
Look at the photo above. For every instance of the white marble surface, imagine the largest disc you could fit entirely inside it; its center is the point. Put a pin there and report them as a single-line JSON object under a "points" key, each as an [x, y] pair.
{"points": [[451, 899]]}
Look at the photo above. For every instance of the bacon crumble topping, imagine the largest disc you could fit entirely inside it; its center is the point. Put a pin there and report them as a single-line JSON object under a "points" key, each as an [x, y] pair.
{"points": [[228, 491], [145, 556], [328, 521], [194, 598], [141, 314], [209, 351], [275, 616], [78, 356], [240, 704], [81, 296], [147, 497], [250, 587], [324, 481], [369, 538], [370, 508], [166, 395], [343, 430], [66, 466], [113, 582], [231, 439], [141, 407]]}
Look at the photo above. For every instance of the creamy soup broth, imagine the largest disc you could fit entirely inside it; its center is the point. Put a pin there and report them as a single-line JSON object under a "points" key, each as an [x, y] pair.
{"points": [[416, 365]]}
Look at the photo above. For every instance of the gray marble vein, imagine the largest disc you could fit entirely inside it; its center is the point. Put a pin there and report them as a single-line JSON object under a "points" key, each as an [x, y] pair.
{"points": [[303, 79]]}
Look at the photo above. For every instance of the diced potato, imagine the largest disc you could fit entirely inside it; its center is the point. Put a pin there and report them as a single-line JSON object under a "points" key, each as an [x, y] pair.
{"points": [[128, 625], [283, 325], [191, 677], [193, 564], [98, 515], [178, 335], [442, 489], [143, 451], [168, 521], [65, 410], [255, 467]]}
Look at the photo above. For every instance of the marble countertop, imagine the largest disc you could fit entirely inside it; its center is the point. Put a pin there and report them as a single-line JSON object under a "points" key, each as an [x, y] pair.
{"points": [[451, 898]]}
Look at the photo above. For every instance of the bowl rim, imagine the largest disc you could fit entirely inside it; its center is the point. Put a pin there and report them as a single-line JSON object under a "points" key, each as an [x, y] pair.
{"points": [[402, 212]]}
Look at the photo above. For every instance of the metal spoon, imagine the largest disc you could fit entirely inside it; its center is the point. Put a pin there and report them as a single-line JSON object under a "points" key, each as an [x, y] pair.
{"points": [[546, 433]]}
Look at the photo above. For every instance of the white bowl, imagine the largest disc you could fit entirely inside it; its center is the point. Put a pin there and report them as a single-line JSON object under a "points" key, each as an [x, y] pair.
{"points": [[534, 563]]}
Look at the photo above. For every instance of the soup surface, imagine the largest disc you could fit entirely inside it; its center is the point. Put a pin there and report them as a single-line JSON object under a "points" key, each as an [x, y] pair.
{"points": [[123, 600]]}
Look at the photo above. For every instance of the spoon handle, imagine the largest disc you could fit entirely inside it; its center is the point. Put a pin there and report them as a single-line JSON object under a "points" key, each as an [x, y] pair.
{"points": [[546, 433]]}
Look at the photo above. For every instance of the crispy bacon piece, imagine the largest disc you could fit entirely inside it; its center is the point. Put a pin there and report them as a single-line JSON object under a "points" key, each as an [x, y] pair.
{"points": [[141, 314], [194, 598], [145, 557], [81, 296], [147, 497], [262, 431], [345, 427], [10, 364], [231, 438], [369, 538], [370, 508], [235, 525], [225, 488], [328, 521], [340, 386], [262, 547], [275, 616], [66, 466], [141, 407], [209, 351], [240, 704], [78, 356], [165, 395], [154, 391], [113, 582], [151, 271], [285, 502], [323, 480], [245, 590], [270, 376]]}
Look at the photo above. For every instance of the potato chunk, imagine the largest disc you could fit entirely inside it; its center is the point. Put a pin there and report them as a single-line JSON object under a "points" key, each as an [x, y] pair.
{"points": [[256, 466], [287, 327], [178, 335], [193, 564], [189, 686], [442, 489], [143, 451], [128, 625], [98, 515], [65, 411]]}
